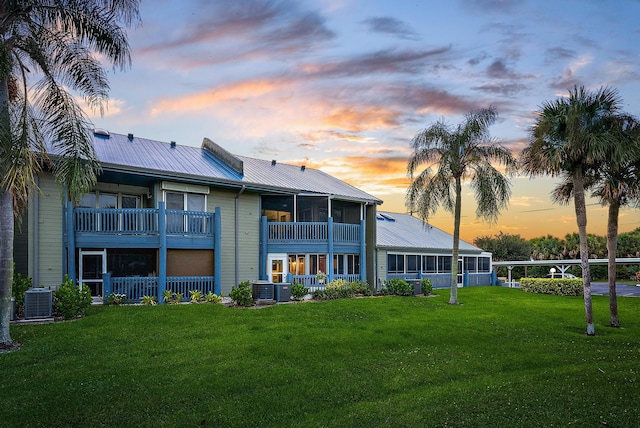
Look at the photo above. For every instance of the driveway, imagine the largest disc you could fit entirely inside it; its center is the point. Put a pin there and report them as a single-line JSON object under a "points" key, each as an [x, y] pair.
{"points": [[602, 288]]}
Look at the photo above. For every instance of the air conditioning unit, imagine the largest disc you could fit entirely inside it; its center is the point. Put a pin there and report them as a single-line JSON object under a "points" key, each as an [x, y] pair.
{"points": [[37, 303], [262, 290]]}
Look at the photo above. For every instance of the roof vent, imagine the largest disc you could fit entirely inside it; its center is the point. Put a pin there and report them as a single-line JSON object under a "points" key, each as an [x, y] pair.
{"points": [[130, 136], [173, 144], [101, 132], [273, 162], [303, 167]]}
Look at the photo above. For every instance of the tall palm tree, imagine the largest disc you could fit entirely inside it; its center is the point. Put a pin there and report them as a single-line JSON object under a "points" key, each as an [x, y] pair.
{"points": [[463, 152], [618, 185], [48, 48], [570, 135]]}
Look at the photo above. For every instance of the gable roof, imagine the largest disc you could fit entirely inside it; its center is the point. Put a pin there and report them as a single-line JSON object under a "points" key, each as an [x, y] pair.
{"points": [[213, 165], [403, 232]]}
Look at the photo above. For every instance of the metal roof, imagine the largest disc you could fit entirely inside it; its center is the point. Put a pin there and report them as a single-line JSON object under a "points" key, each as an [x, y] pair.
{"points": [[135, 154], [403, 232]]}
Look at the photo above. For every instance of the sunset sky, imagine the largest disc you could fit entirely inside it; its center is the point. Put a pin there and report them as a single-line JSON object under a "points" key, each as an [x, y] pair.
{"points": [[343, 85]]}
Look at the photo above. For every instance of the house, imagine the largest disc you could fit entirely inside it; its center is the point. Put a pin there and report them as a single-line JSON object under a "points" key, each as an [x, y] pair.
{"points": [[410, 249], [163, 216]]}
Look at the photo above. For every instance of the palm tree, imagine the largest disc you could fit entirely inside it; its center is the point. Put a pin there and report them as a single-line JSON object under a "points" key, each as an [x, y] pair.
{"points": [[618, 185], [570, 135], [463, 152], [60, 44]]}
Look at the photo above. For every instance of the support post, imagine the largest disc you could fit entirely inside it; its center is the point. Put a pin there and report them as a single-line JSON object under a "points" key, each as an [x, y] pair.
{"points": [[106, 286], [363, 251], [217, 252], [162, 268], [330, 255]]}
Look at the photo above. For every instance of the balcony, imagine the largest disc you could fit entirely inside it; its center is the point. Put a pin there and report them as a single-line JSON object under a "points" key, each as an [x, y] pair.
{"points": [[312, 236], [146, 227]]}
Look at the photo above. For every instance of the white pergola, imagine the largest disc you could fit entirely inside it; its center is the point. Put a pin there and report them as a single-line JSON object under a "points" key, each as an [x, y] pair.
{"points": [[562, 265]]}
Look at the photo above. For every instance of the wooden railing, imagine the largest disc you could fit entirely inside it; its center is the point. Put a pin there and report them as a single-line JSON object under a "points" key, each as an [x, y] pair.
{"points": [[145, 221], [136, 287], [312, 231]]}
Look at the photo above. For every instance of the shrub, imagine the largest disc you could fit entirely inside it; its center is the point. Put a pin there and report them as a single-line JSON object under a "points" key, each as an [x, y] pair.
{"points": [[148, 300], [427, 287], [241, 294], [71, 302], [195, 296], [556, 286], [20, 286], [363, 288], [172, 298], [116, 299], [398, 287], [298, 291], [340, 289], [212, 298]]}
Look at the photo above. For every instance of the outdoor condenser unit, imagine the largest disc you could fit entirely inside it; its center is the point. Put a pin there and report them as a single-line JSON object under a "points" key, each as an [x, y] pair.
{"points": [[262, 290], [37, 303]]}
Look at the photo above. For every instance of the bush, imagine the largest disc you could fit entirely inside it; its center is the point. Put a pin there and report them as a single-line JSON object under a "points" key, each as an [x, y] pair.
{"points": [[427, 287], [70, 302], [398, 287], [556, 286], [116, 299], [298, 291], [241, 294], [195, 296], [148, 300], [171, 298], [341, 289], [20, 286], [212, 298]]}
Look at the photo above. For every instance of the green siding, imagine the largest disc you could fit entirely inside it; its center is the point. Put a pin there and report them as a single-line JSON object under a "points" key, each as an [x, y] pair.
{"points": [[382, 267], [248, 236], [49, 258]]}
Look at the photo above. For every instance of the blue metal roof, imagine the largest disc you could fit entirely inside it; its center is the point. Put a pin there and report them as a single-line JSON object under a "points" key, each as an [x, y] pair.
{"points": [[403, 232], [135, 154]]}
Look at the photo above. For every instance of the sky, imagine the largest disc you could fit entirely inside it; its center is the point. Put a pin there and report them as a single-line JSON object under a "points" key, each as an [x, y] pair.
{"points": [[344, 85]]}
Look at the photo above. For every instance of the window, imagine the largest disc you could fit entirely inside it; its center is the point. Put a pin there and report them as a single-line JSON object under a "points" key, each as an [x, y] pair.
{"points": [[179, 222], [353, 264], [484, 264], [317, 262], [444, 264], [470, 264], [297, 264], [429, 264], [395, 263], [338, 264], [413, 263]]}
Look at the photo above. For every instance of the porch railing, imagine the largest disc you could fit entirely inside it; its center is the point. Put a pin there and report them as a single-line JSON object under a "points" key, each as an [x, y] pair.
{"points": [[312, 231], [312, 283], [136, 287], [144, 221]]}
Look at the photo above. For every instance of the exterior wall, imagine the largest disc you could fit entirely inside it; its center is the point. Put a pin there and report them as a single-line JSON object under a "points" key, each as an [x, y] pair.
{"points": [[49, 259], [21, 244], [381, 267], [248, 236]]}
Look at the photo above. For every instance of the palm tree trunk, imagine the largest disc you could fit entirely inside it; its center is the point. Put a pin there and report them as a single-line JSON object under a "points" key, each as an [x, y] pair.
{"points": [[612, 249], [6, 225], [581, 218], [6, 264], [453, 299]]}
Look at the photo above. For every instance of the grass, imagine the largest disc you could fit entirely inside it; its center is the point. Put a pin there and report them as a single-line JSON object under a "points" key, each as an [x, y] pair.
{"points": [[501, 358]]}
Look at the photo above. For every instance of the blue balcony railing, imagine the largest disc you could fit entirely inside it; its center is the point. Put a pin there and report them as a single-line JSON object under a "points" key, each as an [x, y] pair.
{"points": [[145, 221], [312, 231]]}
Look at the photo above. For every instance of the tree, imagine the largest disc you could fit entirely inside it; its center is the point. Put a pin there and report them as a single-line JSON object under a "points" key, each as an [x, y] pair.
{"points": [[504, 246], [463, 152], [617, 184], [47, 46], [569, 136]]}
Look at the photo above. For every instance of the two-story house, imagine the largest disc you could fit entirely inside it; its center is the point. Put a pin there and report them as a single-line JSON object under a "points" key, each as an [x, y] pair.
{"points": [[164, 216]]}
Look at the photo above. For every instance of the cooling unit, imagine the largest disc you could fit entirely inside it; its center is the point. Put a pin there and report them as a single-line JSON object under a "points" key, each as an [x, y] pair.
{"points": [[37, 303]]}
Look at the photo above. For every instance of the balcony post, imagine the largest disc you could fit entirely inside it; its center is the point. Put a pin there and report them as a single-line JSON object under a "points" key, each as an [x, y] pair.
{"points": [[330, 255], [71, 243], [264, 236], [217, 252], [162, 257], [363, 251], [106, 287]]}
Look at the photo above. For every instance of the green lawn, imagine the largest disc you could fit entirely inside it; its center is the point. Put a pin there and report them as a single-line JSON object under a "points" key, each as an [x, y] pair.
{"points": [[501, 358]]}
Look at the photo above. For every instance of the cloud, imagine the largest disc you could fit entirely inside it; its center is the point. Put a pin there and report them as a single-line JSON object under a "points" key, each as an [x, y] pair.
{"points": [[357, 120], [393, 26], [506, 89], [559, 53], [249, 29], [490, 6]]}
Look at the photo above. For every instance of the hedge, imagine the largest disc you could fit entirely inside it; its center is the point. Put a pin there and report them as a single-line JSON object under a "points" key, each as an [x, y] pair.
{"points": [[556, 286]]}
